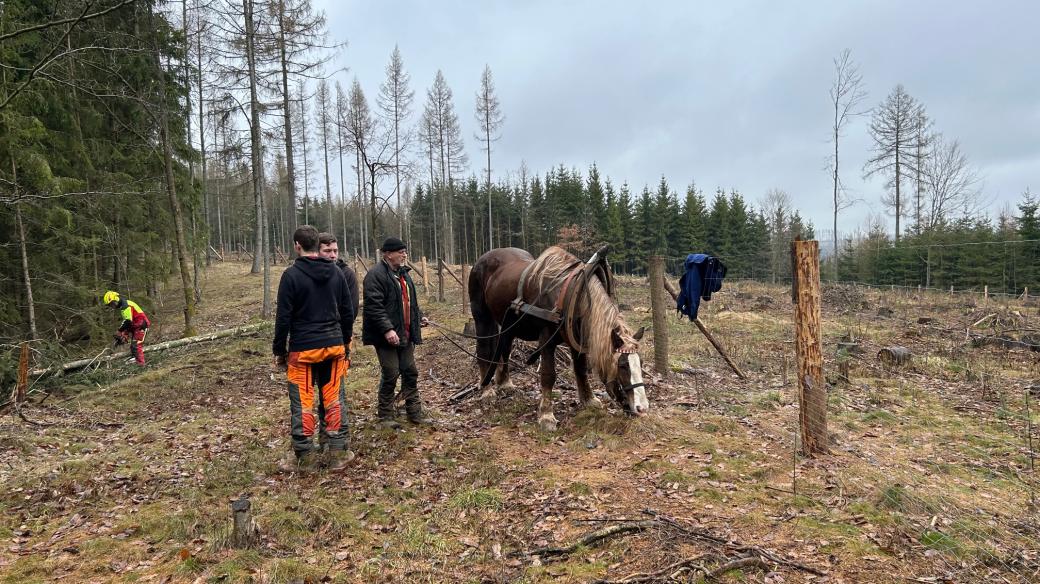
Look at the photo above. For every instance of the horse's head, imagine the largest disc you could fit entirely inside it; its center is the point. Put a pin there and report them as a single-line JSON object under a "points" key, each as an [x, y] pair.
{"points": [[627, 387]]}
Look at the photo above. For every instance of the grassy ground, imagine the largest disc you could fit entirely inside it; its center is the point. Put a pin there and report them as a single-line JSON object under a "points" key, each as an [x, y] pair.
{"points": [[930, 476]]}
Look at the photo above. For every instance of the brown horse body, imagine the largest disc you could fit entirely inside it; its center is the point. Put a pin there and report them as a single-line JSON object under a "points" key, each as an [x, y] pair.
{"points": [[590, 325]]}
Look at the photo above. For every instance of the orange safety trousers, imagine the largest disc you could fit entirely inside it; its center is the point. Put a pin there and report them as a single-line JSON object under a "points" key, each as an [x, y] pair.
{"points": [[326, 369]]}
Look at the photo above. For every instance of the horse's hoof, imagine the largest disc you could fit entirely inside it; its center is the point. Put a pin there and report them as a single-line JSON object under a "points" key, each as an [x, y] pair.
{"points": [[506, 387], [594, 403], [489, 394], [547, 423]]}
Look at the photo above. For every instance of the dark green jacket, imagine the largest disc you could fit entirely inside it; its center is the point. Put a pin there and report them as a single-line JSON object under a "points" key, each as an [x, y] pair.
{"points": [[384, 310]]}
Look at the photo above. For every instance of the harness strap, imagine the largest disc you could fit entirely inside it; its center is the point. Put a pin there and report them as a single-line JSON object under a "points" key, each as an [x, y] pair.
{"points": [[522, 283], [566, 284]]}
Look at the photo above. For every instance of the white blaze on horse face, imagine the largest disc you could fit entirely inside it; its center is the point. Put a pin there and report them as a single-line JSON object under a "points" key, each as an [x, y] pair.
{"points": [[637, 401]]}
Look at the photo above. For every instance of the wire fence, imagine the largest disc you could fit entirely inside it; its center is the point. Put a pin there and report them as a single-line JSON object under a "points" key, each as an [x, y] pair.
{"points": [[933, 457]]}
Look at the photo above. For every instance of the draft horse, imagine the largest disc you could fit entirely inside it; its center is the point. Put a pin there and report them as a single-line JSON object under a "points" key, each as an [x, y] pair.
{"points": [[556, 299]]}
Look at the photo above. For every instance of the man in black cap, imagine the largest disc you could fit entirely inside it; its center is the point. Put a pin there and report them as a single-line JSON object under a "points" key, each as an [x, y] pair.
{"points": [[391, 323]]}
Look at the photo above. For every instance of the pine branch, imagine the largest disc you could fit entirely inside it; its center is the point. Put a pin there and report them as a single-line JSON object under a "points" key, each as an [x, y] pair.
{"points": [[82, 18]]}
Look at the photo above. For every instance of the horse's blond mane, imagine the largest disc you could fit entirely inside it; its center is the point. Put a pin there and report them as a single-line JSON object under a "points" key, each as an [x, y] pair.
{"points": [[598, 312]]}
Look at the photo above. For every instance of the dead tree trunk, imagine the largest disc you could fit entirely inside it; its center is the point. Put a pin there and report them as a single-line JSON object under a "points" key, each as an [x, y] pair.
{"points": [[812, 393]]}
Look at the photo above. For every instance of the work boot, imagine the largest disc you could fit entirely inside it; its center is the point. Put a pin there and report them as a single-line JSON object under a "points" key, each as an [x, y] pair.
{"points": [[339, 459], [419, 418], [307, 463], [388, 422]]}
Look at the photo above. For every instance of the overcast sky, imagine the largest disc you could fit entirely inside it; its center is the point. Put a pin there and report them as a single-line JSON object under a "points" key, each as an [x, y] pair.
{"points": [[730, 95]]}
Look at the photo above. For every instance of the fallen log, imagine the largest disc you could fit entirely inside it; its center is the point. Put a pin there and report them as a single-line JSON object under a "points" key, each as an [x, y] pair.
{"points": [[81, 363], [894, 355]]}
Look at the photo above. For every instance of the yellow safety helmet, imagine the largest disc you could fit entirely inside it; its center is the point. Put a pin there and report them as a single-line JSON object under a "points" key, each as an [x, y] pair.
{"points": [[111, 297]]}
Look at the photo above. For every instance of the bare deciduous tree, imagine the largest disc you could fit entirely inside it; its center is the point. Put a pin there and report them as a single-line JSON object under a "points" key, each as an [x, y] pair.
{"points": [[777, 206], [846, 95], [952, 184]]}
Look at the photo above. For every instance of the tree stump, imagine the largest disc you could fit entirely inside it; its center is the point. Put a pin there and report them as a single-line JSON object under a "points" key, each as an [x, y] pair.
{"points": [[894, 356], [849, 348], [244, 533]]}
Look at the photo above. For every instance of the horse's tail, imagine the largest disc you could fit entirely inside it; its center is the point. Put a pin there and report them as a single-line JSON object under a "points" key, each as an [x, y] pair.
{"points": [[482, 313]]}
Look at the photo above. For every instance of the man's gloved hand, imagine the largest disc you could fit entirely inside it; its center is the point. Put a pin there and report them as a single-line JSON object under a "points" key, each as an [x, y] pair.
{"points": [[120, 338], [280, 363]]}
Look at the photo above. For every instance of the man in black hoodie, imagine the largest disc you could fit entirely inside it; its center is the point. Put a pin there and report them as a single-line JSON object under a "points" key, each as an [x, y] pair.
{"points": [[315, 314]]}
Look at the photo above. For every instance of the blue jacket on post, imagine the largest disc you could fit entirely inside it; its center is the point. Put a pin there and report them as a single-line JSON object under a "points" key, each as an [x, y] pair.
{"points": [[703, 276]]}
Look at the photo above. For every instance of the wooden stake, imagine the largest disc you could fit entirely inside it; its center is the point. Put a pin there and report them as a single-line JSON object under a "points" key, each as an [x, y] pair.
{"points": [[711, 339], [362, 260], [658, 310], [812, 393], [465, 289], [425, 278], [451, 273], [440, 280]]}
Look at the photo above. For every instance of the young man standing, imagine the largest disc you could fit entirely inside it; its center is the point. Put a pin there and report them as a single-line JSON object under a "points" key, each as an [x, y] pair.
{"points": [[391, 322], [315, 314], [135, 324], [328, 248]]}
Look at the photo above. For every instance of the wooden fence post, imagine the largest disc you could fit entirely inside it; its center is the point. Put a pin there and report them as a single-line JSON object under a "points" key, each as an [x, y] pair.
{"points": [[658, 310], [440, 280], [465, 289], [985, 292], [812, 393], [426, 278]]}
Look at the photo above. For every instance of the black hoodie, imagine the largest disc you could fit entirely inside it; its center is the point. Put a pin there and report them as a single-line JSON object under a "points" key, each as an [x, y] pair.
{"points": [[314, 308]]}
